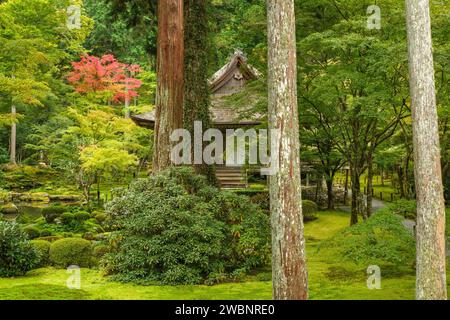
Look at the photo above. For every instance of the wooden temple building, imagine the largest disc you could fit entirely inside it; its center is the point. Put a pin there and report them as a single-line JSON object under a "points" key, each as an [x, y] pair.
{"points": [[230, 79]]}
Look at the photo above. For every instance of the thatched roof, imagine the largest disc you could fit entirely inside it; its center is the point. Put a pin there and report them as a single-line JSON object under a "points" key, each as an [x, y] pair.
{"points": [[228, 80], [238, 61], [221, 117]]}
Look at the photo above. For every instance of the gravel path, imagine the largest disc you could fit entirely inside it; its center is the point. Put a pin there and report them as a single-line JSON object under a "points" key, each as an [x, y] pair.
{"points": [[377, 204]]}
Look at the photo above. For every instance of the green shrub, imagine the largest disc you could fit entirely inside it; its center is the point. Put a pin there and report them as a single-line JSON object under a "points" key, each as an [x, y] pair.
{"points": [[81, 216], [9, 208], [405, 208], [17, 255], [88, 236], [50, 238], [99, 252], [309, 209], [262, 199], [71, 251], [32, 232], [4, 155], [67, 218], [381, 239], [100, 217], [173, 228], [52, 212], [42, 248], [45, 233]]}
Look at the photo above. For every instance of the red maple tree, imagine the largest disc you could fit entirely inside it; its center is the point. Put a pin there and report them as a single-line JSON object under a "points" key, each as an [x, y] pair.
{"points": [[93, 74]]}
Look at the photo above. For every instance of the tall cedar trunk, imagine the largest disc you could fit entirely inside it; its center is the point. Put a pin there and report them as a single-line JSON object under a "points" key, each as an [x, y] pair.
{"points": [[196, 91], [13, 142], [290, 280], [170, 86], [430, 278], [369, 184]]}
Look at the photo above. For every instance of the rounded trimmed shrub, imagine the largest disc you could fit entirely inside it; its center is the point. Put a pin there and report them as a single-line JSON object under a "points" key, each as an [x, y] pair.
{"points": [[99, 252], [88, 236], [17, 255], [9, 208], [42, 248], [71, 251], [67, 218], [173, 228], [81, 216], [382, 239], [45, 233], [309, 208], [100, 217], [52, 212], [32, 232]]}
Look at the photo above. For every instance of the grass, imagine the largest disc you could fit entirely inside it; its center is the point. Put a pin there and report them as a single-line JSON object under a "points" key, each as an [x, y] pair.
{"points": [[329, 278]]}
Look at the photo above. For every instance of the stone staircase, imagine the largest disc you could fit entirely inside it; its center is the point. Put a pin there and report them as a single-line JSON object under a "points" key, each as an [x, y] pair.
{"points": [[231, 177]]}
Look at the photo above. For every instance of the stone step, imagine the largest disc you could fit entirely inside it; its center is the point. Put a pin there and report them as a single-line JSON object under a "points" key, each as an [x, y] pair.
{"points": [[231, 177]]}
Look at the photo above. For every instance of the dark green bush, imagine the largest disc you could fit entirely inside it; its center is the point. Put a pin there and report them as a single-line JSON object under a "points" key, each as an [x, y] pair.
{"points": [[67, 218], [52, 212], [4, 155], [405, 208], [309, 209], [50, 238], [262, 199], [88, 236], [42, 248], [173, 228], [100, 217], [99, 252], [81, 216], [32, 232], [45, 233], [71, 251], [26, 177], [17, 255], [381, 239]]}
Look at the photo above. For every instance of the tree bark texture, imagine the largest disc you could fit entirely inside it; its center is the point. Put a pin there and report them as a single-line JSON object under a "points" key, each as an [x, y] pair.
{"points": [[288, 243], [13, 142], [369, 185], [430, 268], [170, 74], [197, 93]]}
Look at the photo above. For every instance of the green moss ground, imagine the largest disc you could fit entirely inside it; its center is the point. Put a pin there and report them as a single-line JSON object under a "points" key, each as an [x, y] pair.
{"points": [[329, 278]]}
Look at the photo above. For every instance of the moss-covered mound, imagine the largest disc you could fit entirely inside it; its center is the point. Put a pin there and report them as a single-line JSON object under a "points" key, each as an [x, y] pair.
{"points": [[380, 240]]}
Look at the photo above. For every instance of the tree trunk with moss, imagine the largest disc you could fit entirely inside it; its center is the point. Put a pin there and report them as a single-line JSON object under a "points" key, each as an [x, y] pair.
{"points": [[369, 189], [288, 244], [196, 91], [13, 142], [430, 268], [170, 74]]}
